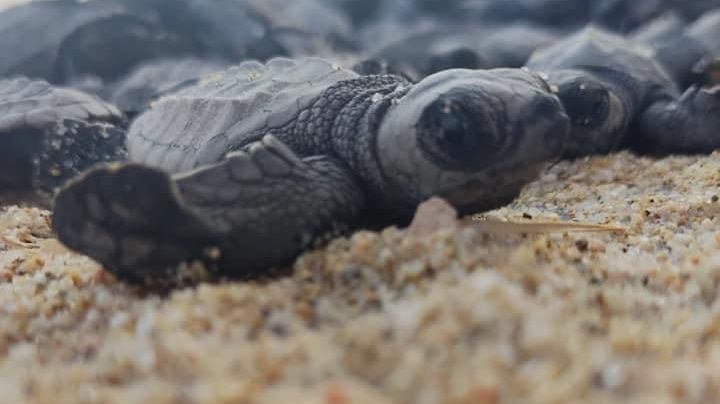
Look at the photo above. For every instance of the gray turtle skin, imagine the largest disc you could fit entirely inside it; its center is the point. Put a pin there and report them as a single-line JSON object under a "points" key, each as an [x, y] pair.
{"points": [[618, 95], [49, 134], [245, 169]]}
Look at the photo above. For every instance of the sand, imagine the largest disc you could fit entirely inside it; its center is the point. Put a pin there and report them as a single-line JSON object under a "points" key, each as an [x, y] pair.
{"points": [[447, 314]]}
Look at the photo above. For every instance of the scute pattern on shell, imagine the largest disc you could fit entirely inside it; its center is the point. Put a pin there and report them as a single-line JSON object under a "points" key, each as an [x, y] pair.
{"points": [[24, 102], [243, 101]]}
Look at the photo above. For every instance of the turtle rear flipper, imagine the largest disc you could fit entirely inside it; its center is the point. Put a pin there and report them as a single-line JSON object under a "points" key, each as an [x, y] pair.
{"points": [[256, 209]]}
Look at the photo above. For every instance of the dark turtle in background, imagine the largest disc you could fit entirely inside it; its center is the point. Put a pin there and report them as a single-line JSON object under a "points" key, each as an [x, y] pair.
{"points": [[247, 30], [308, 27], [229, 29], [109, 48], [106, 49], [96, 55], [680, 47], [560, 14], [626, 15], [469, 48], [661, 29], [91, 45], [618, 95], [31, 34], [693, 9], [456, 29], [246, 168], [49, 134], [359, 12]]}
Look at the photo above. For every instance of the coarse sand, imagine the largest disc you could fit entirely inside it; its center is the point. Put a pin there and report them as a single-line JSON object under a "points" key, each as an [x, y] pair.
{"points": [[453, 312]]}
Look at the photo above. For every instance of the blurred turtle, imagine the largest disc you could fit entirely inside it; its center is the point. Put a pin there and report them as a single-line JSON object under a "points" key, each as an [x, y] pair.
{"points": [[50, 134], [470, 48], [680, 47], [617, 94], [31, 34], [109, 48]]}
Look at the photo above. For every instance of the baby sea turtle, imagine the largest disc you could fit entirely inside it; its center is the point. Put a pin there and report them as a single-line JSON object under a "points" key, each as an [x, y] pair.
{"points": [[248, 30], [445, 48], [566, 14], [680, 46], [618, 95], [109, 48], [31, 34], [250, 165], [49, 134]]}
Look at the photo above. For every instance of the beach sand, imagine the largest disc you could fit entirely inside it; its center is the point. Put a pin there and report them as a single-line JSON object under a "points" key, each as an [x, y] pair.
{"points": [[456, 312]]}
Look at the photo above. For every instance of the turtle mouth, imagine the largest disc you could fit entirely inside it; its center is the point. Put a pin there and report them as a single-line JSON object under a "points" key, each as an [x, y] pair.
{"points": [[493, 188]]}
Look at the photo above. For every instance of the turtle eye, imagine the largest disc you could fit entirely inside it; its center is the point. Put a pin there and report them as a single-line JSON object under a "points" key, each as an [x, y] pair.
{"points": [[453, 135], [454, 132], [587, 104], [456, 137]]}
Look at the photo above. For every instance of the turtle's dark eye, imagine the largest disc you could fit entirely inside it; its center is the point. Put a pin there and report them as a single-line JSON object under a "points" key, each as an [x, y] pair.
{"points": [[453, 136], [587, 104]]}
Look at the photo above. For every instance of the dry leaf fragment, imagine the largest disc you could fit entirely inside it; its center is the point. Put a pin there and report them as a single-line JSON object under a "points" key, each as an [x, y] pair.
{"points": [[513, 227]]}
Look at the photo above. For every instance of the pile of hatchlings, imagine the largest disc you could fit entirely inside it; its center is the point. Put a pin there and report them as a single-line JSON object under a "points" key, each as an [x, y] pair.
{"points": [[345, 201]]}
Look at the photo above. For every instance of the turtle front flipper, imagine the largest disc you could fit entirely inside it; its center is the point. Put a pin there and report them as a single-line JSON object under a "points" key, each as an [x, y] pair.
{"points": [[689, 124], [256, 209]]}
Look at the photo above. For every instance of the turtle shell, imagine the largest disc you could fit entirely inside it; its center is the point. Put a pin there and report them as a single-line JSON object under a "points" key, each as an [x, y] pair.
{"points": [[632, 64], [200, 124]]}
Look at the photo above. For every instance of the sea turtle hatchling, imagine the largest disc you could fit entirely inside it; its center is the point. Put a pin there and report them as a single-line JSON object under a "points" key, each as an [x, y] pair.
{"points": [[49, 134], [250, 165], [617, 95]]}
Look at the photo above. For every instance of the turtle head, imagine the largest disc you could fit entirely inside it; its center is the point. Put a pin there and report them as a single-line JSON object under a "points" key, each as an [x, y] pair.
{"points": [[474, 137], [598, 110]]}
